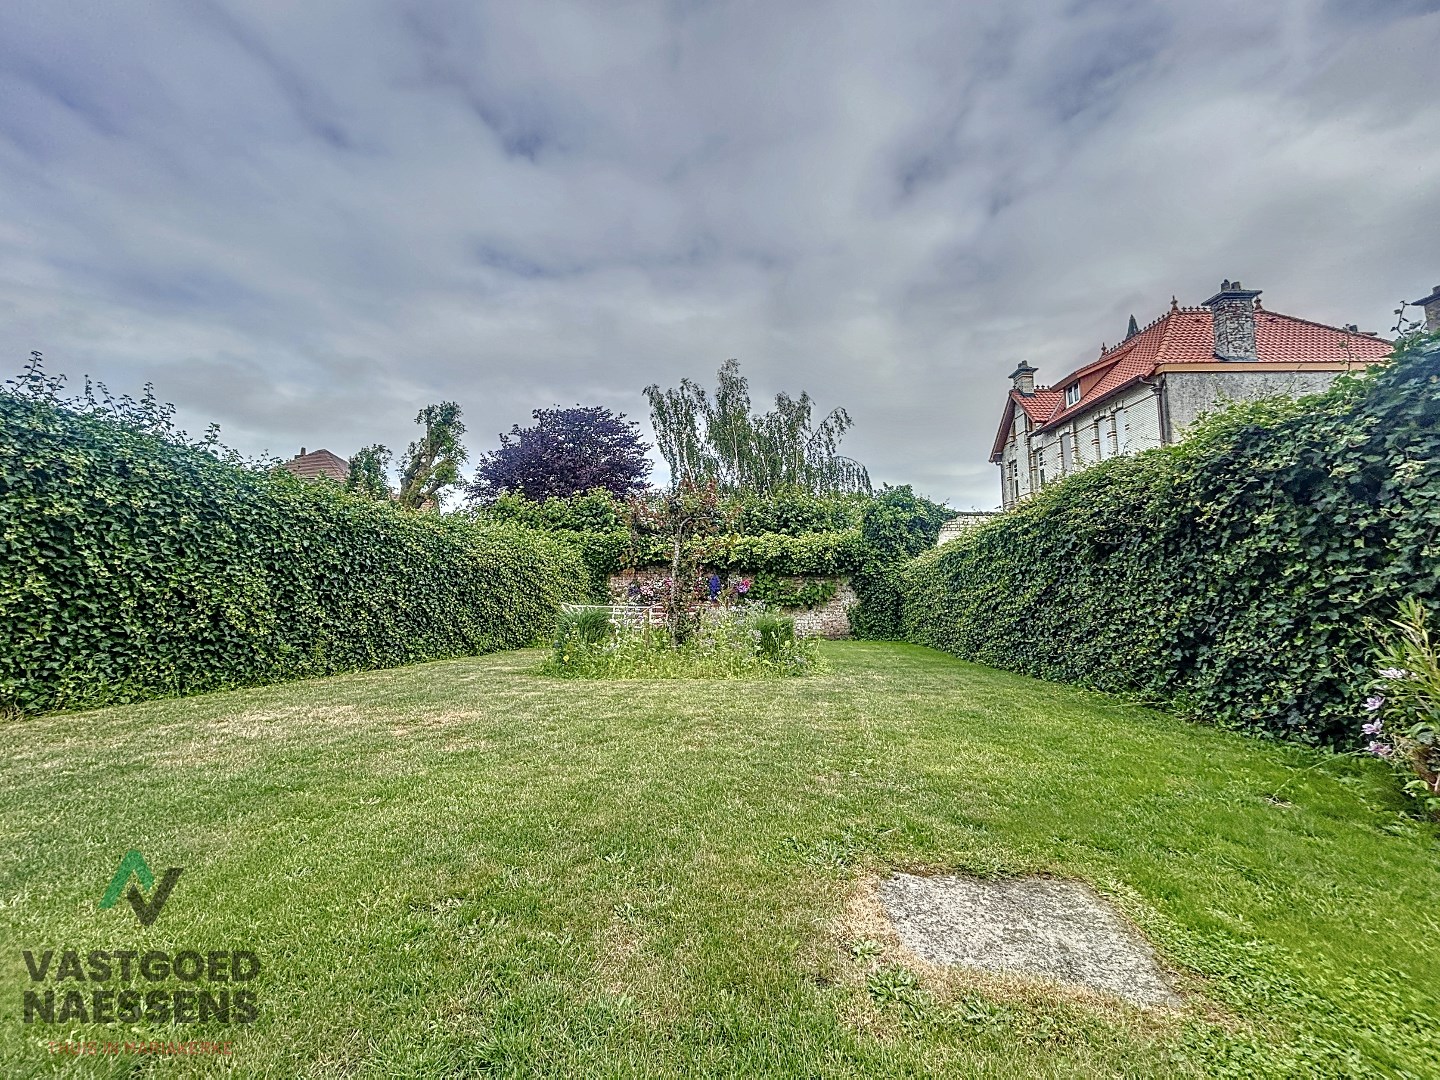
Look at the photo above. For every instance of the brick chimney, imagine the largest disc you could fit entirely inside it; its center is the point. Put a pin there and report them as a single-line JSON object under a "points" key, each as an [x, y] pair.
{"points": [[1232, 310], [1431, 306], [1023, 378]]}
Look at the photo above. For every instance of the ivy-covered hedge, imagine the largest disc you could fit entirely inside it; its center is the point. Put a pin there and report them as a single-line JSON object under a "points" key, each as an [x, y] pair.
{"points": [[1231, 576], [134, 565], [864, 537]]}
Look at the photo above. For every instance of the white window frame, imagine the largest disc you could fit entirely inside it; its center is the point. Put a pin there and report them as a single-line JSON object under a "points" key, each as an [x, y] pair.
{"points": [[1072, 395]]}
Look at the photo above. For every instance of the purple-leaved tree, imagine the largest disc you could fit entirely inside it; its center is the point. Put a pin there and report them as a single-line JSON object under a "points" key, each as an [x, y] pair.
{"points": [[567, 452]]}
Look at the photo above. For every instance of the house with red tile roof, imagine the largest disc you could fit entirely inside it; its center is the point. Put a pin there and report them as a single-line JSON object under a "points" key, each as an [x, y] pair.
{"points": [[1147, 390], [318, 464]]}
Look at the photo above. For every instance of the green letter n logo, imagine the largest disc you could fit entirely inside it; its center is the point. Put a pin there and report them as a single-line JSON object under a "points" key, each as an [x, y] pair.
{"points": [[134, 863]]}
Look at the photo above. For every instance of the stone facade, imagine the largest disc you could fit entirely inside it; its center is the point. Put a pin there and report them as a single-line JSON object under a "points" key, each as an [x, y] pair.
{"points": [[1151, 388], [1191, 395], [830, 620], [1125, 424]]}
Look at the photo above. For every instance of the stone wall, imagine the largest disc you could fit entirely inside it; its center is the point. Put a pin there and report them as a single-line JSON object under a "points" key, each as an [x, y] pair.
{"points": [[1190, 395], [963, 522], [830, 620]]}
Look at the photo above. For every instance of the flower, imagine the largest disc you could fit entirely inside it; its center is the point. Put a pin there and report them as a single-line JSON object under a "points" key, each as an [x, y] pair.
{"points": [[1394, 673], [1380, 749], [1374, 727], [1373, 702]]}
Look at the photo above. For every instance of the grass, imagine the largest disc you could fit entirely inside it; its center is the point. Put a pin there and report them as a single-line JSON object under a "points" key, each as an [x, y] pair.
{"points": [[463, 868], [728, 645]]}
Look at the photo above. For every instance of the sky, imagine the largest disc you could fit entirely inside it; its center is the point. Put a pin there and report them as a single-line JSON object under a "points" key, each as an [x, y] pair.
{"points": [[307, 221]]}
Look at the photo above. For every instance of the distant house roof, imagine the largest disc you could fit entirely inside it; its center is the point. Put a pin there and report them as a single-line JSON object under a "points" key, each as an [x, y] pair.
{"points": [[318, 463], [1184, 336]]}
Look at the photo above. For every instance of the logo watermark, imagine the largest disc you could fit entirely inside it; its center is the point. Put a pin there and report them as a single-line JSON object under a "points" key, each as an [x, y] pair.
{"points": [[134, 865], [130, 986]]}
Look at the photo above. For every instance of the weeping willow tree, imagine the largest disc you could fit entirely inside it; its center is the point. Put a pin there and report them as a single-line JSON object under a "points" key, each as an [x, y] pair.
{"points": [[717, 440]]}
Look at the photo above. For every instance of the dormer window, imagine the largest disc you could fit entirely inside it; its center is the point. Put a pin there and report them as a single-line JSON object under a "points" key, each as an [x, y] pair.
{"points": [[1072, 395]]}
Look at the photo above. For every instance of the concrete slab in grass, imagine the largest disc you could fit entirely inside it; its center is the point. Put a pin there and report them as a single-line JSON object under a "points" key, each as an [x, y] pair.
{"points": [[1040, 927]]}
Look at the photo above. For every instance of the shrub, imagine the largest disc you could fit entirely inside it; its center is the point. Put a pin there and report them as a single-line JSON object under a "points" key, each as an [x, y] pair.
{"points": [[136, 564], [1404, 704], [776, 635], [726, 645], [1229, 576], [583, 626], [771, 537], [896, 525]]}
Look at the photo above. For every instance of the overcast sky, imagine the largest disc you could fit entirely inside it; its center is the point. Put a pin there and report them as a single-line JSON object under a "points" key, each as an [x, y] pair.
{"points": [[307, 220]]}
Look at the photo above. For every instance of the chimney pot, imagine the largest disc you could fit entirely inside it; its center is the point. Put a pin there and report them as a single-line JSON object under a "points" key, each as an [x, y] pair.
{"points": [[302, 451], [1023, 378]]}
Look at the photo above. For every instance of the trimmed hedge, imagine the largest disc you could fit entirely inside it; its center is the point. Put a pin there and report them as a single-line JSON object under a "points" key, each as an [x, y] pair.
{"points": [[1230, 577], [134, 564], [863, 537]]}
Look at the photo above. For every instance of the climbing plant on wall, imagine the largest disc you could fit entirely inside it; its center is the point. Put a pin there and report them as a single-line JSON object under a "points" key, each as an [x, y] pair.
{"points": [[1231, 576]]}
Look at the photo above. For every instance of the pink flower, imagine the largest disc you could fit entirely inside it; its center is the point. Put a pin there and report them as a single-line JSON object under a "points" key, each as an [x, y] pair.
{"points": [[1380, 749]]}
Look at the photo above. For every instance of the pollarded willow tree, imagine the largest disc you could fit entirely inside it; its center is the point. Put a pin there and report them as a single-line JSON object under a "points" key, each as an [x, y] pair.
{"points": [[717, 440]]}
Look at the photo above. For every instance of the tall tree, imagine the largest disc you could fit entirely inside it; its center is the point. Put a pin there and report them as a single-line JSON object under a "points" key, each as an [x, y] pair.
{"points": [[567, 452], [369, 469], [431, 465], [704, 439]]}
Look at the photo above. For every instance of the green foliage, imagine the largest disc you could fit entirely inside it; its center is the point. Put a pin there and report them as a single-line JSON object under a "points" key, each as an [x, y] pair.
{"points": [[682, 519], [1230, 576], [368, 473], [718, 440], [785, 535], [582, 626], [725, 644], [1405, 704], [775, 635], [896, 525], [796, 513], [431, 466], [136, 564], [777, 591]]}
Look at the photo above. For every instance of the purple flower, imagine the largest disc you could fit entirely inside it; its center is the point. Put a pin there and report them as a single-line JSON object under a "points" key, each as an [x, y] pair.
{"points": [[1380, 749], [1373, 702], [1394, 673], [1374, 727]]}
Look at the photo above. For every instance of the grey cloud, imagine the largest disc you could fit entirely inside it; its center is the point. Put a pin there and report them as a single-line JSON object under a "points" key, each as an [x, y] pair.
{"points": [[307, 221]]}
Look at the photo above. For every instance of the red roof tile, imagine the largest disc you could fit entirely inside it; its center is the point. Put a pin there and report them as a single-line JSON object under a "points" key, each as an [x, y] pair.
{"points": [[318, 463], [1186, 336]]}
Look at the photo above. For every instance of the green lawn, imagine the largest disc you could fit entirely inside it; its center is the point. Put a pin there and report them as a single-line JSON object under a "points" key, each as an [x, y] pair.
{"points": [[463, 868]]}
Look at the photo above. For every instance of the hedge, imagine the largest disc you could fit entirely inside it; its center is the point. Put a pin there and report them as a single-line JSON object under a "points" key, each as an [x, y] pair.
{"points": [[134, 564], [1234, 577], [863, 537]]}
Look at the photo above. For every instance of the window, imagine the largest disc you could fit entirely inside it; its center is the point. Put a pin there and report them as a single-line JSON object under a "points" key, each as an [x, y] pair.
{"points": [[1014, 478], [1072, 395]]}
